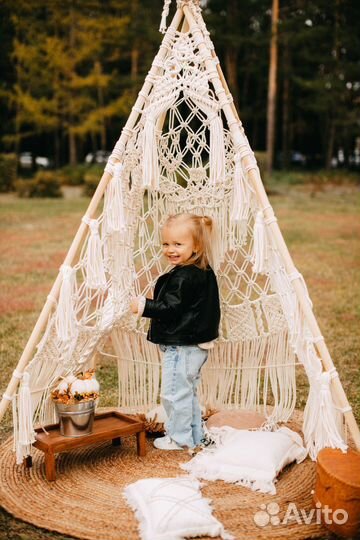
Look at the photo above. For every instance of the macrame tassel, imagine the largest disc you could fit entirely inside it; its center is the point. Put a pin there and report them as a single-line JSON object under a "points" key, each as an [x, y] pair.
{"points": [[150, 155], [95, 272], [217, 150], [259, 256], [164, 15], [320, 425], [65, 319], [114, 207], [26, 434], [241, 196]]}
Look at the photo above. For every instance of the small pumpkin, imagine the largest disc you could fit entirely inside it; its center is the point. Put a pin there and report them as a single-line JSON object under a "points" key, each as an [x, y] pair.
{"points": [[92, 385], [62, 387], [78, 387]]}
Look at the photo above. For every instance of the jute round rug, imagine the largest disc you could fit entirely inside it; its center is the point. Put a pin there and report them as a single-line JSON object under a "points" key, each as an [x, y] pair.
{"points": [[86, 500]]}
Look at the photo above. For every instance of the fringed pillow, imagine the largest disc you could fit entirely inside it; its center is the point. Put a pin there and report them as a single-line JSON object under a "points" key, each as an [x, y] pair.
{"points": [[249, 458], [172, 509]]}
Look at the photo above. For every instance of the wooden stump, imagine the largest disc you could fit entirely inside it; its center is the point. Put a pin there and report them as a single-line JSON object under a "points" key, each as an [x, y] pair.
{"points": [[337, 491]]}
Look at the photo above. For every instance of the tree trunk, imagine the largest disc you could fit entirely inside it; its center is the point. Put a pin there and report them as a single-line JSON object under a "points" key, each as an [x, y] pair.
{"points": [[135, 54], [271, 105], [101, 101], [72, 137], [286, 107], [330, 144], [57, 148], [72, 148], [135, 47]]}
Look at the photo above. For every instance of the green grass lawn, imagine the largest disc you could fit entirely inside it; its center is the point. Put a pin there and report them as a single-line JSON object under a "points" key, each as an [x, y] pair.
{"points": [[320, 226]]}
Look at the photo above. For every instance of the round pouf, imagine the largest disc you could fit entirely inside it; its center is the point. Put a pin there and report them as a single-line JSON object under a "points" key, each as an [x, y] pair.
{"points": [[337, 491]]}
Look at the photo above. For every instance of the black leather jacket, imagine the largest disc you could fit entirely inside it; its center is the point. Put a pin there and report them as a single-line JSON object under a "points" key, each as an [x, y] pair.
{"points": [[186, 307]]}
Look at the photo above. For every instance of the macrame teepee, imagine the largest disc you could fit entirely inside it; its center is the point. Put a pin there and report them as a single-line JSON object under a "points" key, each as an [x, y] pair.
{"points": [[183, 148]]}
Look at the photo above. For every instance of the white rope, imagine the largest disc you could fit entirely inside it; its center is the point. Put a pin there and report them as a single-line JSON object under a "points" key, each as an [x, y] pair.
{"points": [[114, 201], [241, 194], [320, 423], [26, 433], [95, 272], [164, 15], [65, 320]]}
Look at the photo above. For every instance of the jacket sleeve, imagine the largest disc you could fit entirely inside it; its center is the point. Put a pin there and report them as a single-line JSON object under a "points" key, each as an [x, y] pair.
{"points": [[174, 301]]}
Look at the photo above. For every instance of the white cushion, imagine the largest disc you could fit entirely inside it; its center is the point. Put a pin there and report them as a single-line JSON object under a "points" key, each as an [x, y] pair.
{"points": [[172, 509], [248, 458]]}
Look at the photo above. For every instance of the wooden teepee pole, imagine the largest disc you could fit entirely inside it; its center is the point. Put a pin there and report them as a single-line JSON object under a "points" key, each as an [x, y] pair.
{"points": [[255, 179], [90, 213], [272, 87]]}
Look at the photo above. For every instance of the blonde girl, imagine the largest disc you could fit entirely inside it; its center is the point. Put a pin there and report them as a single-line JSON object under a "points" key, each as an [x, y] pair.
{"points": [[185, 316]]}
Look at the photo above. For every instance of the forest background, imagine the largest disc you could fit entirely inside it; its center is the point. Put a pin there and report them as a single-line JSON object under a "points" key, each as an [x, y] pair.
{"points": [[71, 71]]}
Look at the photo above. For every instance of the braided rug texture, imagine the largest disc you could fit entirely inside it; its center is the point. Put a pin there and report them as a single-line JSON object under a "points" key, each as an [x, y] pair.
{"points": [[86, 499]]}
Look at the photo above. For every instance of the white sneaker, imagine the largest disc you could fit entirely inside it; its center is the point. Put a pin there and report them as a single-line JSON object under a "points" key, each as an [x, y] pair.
{"points": [[165, 443]]}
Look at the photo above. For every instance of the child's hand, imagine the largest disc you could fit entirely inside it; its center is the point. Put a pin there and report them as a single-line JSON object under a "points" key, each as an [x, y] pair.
{"points": [[134, 305]]}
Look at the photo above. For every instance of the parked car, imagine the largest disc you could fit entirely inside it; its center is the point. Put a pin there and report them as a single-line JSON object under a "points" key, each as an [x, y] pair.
{"points": [[27, 160], [42, 162], [100, 156], [297, 158]]}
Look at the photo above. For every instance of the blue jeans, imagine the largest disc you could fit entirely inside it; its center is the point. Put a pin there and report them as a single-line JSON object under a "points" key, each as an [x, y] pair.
{"points": [[180, 378]]}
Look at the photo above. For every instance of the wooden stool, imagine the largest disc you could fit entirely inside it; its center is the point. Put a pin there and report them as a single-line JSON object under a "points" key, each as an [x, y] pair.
{"points": [[337, 490], [107, 426]]}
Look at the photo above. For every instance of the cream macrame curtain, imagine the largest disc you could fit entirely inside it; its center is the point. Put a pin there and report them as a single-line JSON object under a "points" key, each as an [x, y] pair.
{"points": [[184, 153]]}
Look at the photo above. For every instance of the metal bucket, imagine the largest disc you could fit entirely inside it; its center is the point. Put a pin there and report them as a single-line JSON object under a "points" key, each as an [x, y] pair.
{"points": [[76, 420]]}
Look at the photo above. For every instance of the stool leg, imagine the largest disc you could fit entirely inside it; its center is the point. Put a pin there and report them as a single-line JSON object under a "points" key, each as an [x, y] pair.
{"points": [[28, 461], [141, 443], [50, 466], [116, 441]]}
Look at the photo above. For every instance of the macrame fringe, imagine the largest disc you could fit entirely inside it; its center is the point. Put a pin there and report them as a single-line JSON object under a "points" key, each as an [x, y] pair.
{"points": [[265, 361], [240, 207], [217, 150], [139, 365], [65, 319], [150, 155], [114, 210], [259, 255], [320, 418], [223, 384], [26, 433], [95, 271]]}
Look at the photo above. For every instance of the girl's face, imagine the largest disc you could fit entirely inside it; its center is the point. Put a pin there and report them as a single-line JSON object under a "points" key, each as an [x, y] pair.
{"points": [[177, 243]]}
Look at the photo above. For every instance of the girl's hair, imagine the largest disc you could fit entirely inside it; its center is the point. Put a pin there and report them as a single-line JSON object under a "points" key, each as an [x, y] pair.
{"points": [[204, 236]]}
